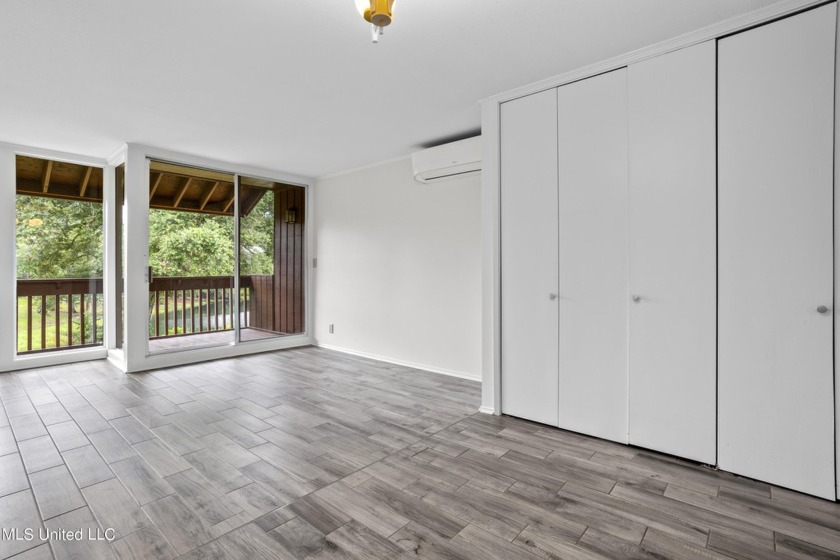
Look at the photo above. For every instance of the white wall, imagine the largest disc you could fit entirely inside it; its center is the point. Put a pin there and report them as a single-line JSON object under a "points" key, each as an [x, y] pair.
{"points": [[399, 268]]}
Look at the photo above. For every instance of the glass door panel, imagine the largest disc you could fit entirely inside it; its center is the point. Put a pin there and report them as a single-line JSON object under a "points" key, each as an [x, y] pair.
{"points": [[271, 258], [191, 257]]}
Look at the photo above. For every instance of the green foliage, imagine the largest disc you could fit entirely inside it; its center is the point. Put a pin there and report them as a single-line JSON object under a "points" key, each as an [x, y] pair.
{"points": [[58, 238], [256, 238], [190, 244], [63, 239]]}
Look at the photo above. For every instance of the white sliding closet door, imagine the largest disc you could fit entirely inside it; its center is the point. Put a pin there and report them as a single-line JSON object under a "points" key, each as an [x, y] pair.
{"points": [[529, 257], [673, 386], [776, 98], [592, 132]]}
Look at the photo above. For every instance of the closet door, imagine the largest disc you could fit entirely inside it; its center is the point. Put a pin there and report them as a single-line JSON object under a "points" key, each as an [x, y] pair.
{"points": [[673, 256], [776, 96], [592, 132], [529, 257]]}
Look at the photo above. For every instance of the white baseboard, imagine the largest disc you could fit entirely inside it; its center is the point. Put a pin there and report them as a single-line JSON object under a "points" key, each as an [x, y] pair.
{"points": [[433, 369], [487, 410]]}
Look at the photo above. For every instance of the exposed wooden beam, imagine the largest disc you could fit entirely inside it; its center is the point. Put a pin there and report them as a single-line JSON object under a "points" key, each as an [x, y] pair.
{"points": [[45, 178], [194, 172], [57, 190], [228, 204], [206, 198], [85, 181], [182, 193], [155, 185]]}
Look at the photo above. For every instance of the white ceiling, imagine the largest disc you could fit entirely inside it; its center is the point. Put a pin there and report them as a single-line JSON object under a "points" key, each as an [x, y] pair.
{"points": [[297, 86]]}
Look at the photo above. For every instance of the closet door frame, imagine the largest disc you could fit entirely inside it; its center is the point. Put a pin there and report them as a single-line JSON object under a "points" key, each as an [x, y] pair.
{"points": [[491, 187]]}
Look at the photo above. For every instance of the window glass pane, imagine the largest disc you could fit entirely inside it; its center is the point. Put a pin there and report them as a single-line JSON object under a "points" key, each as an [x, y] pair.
{"points": [[271, 259], [59, 250]]}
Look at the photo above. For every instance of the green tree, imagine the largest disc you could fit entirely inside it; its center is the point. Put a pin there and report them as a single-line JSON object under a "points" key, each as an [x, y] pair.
{"points": [[190, 244], [256, 238], [58, 238]]}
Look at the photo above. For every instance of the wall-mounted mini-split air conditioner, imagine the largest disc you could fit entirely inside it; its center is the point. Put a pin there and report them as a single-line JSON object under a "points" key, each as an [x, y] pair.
{"points": [[449, 161]]}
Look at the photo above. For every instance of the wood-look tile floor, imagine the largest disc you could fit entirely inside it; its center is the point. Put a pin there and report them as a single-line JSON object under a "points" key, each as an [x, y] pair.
{"points": [[313, 454]]}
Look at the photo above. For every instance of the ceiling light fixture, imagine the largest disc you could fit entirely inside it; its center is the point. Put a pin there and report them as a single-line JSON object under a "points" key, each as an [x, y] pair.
{"points": [[379, 13]]}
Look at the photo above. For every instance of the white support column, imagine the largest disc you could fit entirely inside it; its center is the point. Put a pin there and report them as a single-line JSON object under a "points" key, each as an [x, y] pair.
{"points": [[8, 273], [137, 258], [491, 260]]}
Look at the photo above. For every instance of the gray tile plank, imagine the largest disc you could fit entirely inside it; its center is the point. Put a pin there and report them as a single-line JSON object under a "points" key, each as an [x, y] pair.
{"points": [[302, 540], [179, 525], [55, 491], [551, 544], [88, 419], [614, 547], [796, 548], [177, 439], [87, 466], [667, 546], [225, 477], [12, 474], [283, 485], [145, 544], [250, 542], [27, 426], [86, 548], [414, 509], [111, 446], [228, 450], [744, 550], [7, 441], [39, 454], [141, 480], [255, 500], [131, 429], [114, 507], [200, 495], [161, 458], [19, 513], [320, 514], [42, 552], [67, 435], [369, 512], [362, 543]]}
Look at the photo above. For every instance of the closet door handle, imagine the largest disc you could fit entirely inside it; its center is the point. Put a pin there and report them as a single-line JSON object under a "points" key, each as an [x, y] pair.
{"points": [[822, 309], [637, 299], [552, 297]]}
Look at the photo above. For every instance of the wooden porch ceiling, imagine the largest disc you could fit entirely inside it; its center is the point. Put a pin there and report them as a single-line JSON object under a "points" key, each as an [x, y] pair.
{"points": [[56, 179], [171, 187]]}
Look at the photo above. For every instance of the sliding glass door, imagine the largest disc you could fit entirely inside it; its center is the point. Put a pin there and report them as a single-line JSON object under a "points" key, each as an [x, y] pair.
{"points": [[204, 226], [191, 257]]}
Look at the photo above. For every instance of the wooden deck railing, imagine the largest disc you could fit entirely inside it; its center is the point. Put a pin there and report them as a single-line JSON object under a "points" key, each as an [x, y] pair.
{"points": [[69, 313], [190, 305], [62, 313]]}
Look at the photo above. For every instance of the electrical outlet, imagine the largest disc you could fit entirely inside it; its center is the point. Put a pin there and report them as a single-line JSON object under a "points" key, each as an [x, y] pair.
{"points": [[332, 328]]}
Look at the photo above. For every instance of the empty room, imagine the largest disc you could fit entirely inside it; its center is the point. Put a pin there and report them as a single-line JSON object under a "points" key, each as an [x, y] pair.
{"points": [[369, 279]]}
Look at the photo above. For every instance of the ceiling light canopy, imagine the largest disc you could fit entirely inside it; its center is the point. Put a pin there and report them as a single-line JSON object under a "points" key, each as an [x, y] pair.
{"points": [[379, 13]]}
